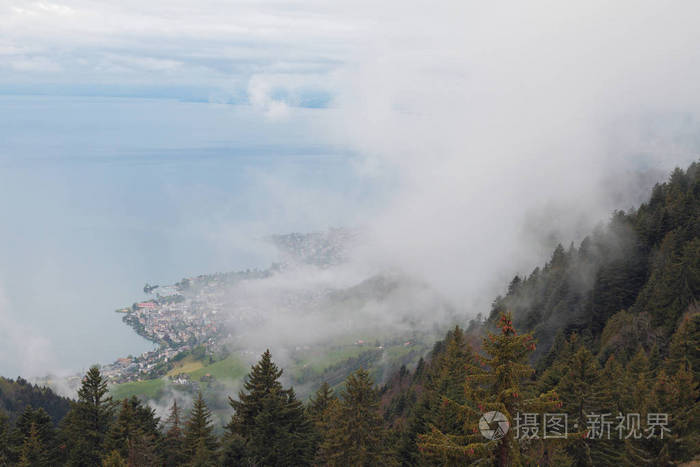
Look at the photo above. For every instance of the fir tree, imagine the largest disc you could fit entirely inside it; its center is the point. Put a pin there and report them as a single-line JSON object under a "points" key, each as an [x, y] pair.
{"points": [[89, 420], [319, 402], [270, 419], [173, 440], [199, 439], [493, 383], [579, 387], [262, 380], [676, 398], [684, 350], [134, 433], [4, 438], [40, 421], [637, 382], [113, 459], [33, 452], [355, 434], [318, 412], [579, 391]]}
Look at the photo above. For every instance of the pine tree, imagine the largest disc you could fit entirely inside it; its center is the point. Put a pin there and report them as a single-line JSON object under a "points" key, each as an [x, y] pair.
{"points": [[557, 361], [260, 382], [319, 402], [355, 434], [611, 387], [282, 434], [684, 411], [134, 433], [113, 459], [675, 397], [450, 379], [42, 423], [122, 430], [637, 382], [173, 440], [684, 350], [88, 421], [579, 391], [4, 438], [493, 383], [199, 439], [270, 419], [637, 399], [33, 453], [448, 382], [579, 388], [444, 379], [318, 412]]}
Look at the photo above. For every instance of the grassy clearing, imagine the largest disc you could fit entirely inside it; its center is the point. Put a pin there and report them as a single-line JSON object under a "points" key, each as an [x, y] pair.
{"points": [[187, 365], [147, 389], [320, 362], [230, 368]]}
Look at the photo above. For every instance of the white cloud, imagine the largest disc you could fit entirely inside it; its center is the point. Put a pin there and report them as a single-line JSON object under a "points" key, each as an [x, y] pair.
{"points": [[259, 93], [30, 353], [495, 114]]}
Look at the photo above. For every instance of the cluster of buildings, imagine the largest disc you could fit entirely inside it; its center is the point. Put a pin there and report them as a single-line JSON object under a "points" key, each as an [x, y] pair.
{"points": [[178, 319], [148, 364]]}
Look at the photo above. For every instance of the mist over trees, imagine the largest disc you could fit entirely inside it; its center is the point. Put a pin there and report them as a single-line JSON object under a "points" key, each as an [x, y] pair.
{"points": [[605, 337], [641, 270]]}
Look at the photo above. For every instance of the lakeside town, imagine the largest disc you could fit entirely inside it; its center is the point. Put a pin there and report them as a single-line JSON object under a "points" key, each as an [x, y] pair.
{"points": [[202, 311], [180, 318]]}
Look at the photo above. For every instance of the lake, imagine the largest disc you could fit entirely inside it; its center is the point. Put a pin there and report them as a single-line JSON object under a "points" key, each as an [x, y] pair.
{"points": [[101, 195]]}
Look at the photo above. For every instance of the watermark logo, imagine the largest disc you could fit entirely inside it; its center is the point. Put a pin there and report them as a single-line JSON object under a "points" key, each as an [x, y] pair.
{"points": [[597, 426], [493, 425]]}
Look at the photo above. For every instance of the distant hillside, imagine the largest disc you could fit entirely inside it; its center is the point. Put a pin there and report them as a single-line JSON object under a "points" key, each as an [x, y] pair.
{"points": [[317, 248], [16, 395]]}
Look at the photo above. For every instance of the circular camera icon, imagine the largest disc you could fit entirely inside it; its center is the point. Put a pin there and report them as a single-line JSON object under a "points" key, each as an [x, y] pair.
{"points": [[493, 425]]}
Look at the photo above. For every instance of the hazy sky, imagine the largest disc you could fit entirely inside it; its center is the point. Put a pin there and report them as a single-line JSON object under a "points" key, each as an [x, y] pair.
{"points": [[142, 139]]}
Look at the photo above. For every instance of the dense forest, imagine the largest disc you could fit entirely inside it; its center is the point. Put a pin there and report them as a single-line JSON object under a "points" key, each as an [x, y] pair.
{"points": [[590, 360]]}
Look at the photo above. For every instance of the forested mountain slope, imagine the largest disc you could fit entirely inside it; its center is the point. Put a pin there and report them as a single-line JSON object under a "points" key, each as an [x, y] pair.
{"points": [[16, 395], [643, 269]]}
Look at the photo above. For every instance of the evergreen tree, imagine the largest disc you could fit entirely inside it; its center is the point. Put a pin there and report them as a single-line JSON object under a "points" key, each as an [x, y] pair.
{"points": [[558, 361], [318, 412], [493, 383], [319, 402], [200, 444], [113, 459], [40, 421], [579, 388], [450, 379], [637, 382], [4, 438], [173, 440], [676, 399], [684, 411], [88, 421], [638, 399], [134, 434], [33, 452], [270, 419], [355, 434], [262, 380], [611, 387], [122, 430], [684, 350]]}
